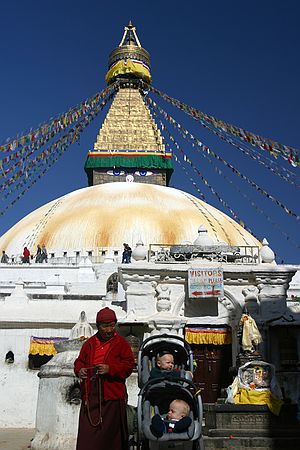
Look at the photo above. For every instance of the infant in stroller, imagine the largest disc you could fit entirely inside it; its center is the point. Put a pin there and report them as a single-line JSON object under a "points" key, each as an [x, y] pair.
{"points": [[165, 367], [169, 408], [177, 419]]}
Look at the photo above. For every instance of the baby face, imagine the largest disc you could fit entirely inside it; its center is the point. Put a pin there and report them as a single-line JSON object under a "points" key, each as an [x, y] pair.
{"points": [[166, 362], [176, 411]]}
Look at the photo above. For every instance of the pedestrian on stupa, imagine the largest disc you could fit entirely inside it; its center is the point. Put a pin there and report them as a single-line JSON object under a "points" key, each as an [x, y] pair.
{"points": [[126, 255], [104, 363], [26, 255], [4, 258], [44, 254], [38, 256]]}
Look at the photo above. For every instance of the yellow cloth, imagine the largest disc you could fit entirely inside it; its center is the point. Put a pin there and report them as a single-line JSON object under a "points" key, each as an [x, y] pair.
{"points": [[208, 337], [254, 397], [124, 67], [42, 347]]}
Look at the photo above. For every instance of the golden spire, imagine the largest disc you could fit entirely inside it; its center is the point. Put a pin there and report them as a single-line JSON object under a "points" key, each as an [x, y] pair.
{"points": [[129, 60], [130, 36], [129, 145]]}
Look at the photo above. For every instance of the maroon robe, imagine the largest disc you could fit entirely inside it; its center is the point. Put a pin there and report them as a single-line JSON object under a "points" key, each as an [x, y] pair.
{"points": [[102, 419]]}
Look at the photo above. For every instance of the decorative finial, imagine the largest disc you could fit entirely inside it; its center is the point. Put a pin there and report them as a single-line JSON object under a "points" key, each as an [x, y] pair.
{"points": [[266, 253], [129, 61], [203, 237], [130, 36], [139, 253]]}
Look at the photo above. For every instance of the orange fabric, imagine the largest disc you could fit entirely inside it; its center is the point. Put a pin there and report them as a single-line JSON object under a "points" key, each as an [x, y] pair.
{"points": [[101, 351], [120, 360]]}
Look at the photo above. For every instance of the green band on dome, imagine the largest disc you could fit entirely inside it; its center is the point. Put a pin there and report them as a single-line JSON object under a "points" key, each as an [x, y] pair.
{"points": [[138, 162]]}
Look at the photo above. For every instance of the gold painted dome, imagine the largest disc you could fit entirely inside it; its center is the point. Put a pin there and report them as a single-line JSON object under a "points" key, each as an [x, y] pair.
{"points": [[109, 214]]}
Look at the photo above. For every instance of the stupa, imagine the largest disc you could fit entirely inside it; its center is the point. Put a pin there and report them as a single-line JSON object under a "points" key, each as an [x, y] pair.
{"points": [[130, 153], [128, 200]]}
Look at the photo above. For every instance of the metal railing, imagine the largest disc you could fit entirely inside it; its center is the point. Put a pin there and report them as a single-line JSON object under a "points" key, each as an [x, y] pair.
{"points": [[157, 253], [242, 254]]}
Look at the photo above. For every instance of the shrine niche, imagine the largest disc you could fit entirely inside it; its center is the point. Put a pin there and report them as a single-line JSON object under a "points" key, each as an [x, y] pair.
{"points": [[256, 384], [9, 357], [257, 375], [73, 395], [42, 350], [112, 283]]}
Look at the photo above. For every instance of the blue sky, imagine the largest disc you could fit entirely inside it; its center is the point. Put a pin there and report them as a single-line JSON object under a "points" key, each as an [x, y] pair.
{"points": [[238, 61]]}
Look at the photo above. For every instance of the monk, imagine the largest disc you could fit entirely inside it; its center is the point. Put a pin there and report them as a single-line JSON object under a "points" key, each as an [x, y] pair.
{"points": [[104, 363]]}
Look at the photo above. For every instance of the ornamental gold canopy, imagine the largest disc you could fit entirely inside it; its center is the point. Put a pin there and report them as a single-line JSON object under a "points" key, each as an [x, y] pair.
{"points": [[129, 60]]}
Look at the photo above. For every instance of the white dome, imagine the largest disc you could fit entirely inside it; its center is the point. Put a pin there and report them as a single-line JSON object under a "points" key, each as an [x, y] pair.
{"points": [[107, 215]]}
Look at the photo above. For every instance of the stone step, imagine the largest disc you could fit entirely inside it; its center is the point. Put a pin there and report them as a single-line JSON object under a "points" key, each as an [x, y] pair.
{"points": [[270, 433], [253, 443]]}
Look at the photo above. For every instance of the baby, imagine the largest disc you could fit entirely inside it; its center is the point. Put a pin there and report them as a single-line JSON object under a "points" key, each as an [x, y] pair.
{"points": [[176, 421], [165, 367]]}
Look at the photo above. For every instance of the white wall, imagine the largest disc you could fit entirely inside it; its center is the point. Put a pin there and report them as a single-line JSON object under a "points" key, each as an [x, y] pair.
{"points": [[19, 384]]}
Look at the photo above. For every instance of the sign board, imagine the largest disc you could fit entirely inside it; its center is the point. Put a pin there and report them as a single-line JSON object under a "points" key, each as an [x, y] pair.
{"points": [[205, 282]]}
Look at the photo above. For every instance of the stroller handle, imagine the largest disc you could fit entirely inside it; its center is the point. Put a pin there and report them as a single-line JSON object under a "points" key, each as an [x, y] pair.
{"points": [[162, 336]]}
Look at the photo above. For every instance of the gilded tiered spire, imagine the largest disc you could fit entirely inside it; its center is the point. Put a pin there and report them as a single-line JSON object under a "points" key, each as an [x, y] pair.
{"points": [[129, 145], [129, 125]]}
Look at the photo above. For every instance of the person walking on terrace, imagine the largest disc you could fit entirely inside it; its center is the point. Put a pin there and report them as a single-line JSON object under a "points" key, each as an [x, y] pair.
{"points": [[4, 258], [26, 255], [126, 255]]}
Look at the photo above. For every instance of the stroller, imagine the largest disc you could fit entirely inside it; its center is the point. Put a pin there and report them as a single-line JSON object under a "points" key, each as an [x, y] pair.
{"points": [[156, 395]]}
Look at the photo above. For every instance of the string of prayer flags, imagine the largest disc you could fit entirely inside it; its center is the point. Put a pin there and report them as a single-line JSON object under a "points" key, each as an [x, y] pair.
{"points": [[276, 149], [186, 134], [277, 170], [220, 173], [49, 157], [205, 181], [38, 137]]}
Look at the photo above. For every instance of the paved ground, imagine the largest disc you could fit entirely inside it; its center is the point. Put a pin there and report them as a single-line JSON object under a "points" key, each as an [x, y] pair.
{"points": [[15, 438]]}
